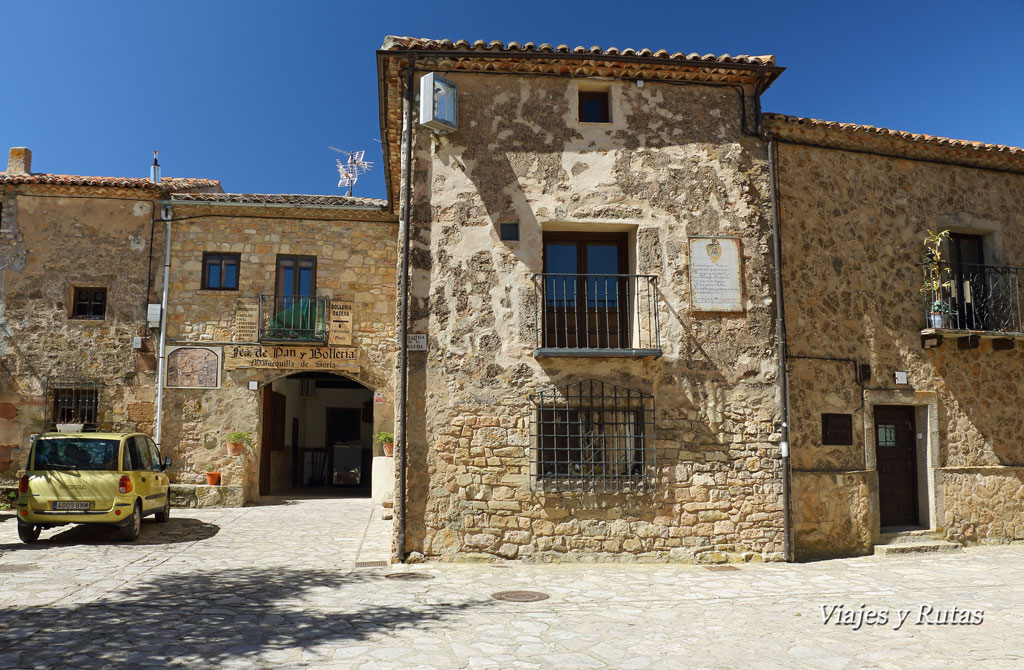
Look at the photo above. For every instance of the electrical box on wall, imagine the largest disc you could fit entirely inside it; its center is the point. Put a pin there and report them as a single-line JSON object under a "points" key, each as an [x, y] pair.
{"points": [[439, 109], [153, 315]]}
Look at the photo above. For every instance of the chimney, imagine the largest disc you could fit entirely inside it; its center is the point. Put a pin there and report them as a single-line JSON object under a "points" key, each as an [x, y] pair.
{"points": [[154, 170], [19, 161]]}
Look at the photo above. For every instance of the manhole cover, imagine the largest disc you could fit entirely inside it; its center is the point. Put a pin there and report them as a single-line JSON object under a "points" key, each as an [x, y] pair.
{"points": [[17, 568], [520, 596], [408, 576], [720, 568]]}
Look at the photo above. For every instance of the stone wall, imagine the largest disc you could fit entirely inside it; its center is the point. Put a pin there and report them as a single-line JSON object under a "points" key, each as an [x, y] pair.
{"points": [[853, 226], [356, 261], [52, 239], [674, 162], [984, 504], [834, 513]]}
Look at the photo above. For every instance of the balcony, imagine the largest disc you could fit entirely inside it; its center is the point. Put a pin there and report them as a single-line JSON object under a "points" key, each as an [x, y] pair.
{"points": [[964, 300], [298, 319], [597, 315]]}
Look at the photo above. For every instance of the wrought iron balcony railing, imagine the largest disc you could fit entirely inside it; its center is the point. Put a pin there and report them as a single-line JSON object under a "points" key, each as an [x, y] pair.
{"points": [[597, 315], [965, 296], [293, 318]]}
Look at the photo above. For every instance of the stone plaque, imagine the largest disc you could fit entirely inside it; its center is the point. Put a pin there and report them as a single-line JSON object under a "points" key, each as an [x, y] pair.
{"points": [[284, 357], [340, 323], [716, 283], [193, 367], [247, 320]]}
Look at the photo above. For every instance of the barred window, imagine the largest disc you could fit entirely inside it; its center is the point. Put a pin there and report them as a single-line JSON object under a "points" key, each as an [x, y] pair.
{"points": [[74, 402], [593, 437]]}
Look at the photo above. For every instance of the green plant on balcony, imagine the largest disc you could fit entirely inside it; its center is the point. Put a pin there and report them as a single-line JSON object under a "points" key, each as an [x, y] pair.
{"points": [[304, 319], [937, 279]]}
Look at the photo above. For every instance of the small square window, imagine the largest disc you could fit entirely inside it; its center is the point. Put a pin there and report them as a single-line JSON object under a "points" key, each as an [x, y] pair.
{"points": [[73, 404], [594, 107], [510, 232], [837, 429], [220, 272], [89, 303]]}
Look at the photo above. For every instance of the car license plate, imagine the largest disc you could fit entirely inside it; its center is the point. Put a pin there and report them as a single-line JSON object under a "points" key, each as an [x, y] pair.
{"points": [[72, 505]]}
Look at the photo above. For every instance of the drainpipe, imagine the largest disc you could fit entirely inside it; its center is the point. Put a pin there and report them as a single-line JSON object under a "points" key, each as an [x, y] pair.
{"points": [[165, 214], [780, 338], [403, 296]]}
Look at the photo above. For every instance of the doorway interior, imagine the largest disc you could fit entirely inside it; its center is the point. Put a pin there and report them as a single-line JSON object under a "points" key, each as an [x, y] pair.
{"points": [[317, 436]]}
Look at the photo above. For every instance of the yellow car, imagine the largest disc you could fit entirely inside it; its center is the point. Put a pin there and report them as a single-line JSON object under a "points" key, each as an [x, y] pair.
{"points": [[112, 478]]}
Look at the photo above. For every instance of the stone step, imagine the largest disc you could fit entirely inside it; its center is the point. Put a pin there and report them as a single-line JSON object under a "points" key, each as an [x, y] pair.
{"points": [[920, 547], [909, 537]]}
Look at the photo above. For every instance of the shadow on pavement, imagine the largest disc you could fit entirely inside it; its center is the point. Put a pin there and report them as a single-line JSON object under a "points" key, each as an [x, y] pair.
{"points": [[202, 619], [4, 516], [173, 532]]}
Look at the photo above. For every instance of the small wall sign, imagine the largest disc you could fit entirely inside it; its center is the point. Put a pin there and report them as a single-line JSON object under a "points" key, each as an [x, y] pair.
{"points": [[416, 341], [340, 333], [378, 397], [901, 376], [247, 317], [193, 367]]}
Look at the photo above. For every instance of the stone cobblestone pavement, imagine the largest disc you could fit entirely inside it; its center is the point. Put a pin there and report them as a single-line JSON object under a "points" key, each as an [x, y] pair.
{"points": [[276, 586]]}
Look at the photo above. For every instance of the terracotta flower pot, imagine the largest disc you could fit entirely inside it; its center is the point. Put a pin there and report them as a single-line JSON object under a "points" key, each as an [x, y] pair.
{"points": [[213, 478], [389, 448], [234, 448]]}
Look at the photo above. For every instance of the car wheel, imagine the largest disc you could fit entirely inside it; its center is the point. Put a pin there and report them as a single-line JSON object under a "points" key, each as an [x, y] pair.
{"points": [[27, 533], [163, 515], [133, 526]]}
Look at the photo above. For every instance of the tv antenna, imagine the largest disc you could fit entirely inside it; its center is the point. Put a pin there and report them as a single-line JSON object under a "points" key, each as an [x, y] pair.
{"points": [[350, 170]]}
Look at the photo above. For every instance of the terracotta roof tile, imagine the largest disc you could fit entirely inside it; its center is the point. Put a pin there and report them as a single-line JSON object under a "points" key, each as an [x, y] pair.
{"points": [[171, 184], [396, 43], [296, 199], [898, 143]]}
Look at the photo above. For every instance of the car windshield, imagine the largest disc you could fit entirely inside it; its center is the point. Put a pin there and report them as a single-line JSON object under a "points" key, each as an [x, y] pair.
{"points": [[76, 453]]}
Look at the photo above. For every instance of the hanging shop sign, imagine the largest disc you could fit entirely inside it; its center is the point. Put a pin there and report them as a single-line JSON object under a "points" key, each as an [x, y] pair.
{"points": [[290, 357], [716, 274]]}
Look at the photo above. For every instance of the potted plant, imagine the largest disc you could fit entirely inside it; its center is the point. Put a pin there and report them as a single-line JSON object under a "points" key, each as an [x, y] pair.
{"points": [[937, 280], [212, 473], [235, 442], [387, 442]]}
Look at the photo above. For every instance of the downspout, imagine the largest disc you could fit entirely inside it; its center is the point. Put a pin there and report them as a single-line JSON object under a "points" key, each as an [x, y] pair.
{"points": [[780, 328], [403, 318], [165, 214], [780, 338]]}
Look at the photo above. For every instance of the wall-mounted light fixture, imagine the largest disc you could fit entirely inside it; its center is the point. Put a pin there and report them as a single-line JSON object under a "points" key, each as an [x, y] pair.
{"points": [[439, 108]]}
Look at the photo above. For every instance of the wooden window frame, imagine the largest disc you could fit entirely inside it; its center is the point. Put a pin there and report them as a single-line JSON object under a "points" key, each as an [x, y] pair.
{"points": [[296, 259], [603, 98], [219, 258], [87, 315]]}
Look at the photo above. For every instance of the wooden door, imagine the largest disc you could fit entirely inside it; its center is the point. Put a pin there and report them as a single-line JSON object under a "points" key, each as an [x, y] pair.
{"points": [[586, 295], [272, 434], [896, 449]]}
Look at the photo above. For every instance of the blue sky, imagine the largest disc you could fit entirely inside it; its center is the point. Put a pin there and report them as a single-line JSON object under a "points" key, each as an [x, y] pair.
{"points": [[253, 92]]}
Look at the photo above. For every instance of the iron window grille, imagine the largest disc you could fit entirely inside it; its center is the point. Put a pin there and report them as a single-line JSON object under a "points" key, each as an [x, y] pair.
{"points": [[593, 437], [220, 271], [89, 303], [73, 401], [293, 318]]}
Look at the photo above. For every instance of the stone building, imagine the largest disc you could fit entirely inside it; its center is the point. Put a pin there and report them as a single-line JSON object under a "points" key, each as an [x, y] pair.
{"points": [[75, 281], [280, 322], [586, 391], [898, 421]]}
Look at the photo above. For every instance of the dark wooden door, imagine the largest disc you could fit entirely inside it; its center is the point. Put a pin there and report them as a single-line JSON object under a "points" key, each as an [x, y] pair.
{"points": [[970, 297], [896, 449], [272, 435]]}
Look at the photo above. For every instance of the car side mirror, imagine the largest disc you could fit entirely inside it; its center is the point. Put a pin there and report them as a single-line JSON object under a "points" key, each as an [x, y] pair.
{"points": [[167, 462]]}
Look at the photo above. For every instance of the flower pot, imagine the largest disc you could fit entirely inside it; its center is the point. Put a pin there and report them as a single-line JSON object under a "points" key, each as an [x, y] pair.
{"points": [[234, 448], [389, 448], [938, 319], [213, 478]]}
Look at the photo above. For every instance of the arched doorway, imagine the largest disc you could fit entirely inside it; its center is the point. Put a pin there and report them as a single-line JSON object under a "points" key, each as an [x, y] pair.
{"points": [[317, 436]]}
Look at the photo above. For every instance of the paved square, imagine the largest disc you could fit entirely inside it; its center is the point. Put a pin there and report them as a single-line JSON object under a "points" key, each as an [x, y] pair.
{"points": [[276, 586]]}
